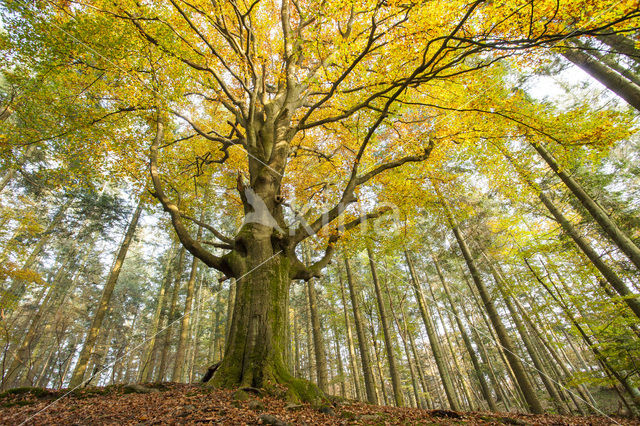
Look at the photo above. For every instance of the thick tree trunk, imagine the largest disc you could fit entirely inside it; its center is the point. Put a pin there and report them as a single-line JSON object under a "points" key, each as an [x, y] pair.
{"points": [[619, 85], [255, 352], [388, 339], [619, 237], [436, 349], [362, 342], [103, 306], [505, 341], [484, 387]]}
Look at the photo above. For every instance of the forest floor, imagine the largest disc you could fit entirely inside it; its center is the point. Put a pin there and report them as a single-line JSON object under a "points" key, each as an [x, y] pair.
{"points": [[170, 403]]}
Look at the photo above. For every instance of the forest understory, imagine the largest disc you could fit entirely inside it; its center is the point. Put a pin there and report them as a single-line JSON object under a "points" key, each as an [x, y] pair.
{"points": [[182, 404], [427, 208]]}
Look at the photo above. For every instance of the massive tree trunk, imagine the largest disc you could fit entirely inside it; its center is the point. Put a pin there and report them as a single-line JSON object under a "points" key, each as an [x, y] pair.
{"points": [[254, 355]]}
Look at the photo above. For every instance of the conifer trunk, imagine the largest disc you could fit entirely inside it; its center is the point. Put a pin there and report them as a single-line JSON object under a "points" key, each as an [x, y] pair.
{"points": [[484, 388], [148, 360], [352, 352], [622, 87], [318, 341], [362, 343], [631, 299], [527, 389], [619, 237], [171, 317], [92, 335], [388, 339], [180, 364], [433, 338]]}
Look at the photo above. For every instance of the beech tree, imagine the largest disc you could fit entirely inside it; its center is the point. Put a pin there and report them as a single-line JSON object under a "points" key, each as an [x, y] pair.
{"points": [[275, 95]]}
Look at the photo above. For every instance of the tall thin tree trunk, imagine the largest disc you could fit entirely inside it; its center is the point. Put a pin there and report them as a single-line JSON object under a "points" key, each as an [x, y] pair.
{"points": [[352, 353], [171, 317], [318, 341], [484, 388], [103, 306], [388, 339], [537, 363], [179, 365], [618, 236], [433, 338], [148, 360], [632, 390], [613, 81], [527, 389], [341, 373], [362, 343], [631, 299]]}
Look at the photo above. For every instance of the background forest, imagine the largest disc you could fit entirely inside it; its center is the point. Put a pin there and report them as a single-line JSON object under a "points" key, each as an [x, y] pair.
{"points": [[468, 172]]}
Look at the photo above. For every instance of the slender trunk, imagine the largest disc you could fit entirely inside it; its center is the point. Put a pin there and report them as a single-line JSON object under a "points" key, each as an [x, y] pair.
{"points": [[171, 317], [632, 390], [195, 338], [527, 389], [621, 44], [343, 392], [537, 363], [484, 388], [630, 298], [10, 297], [613, 81], [388, 339], [22, 357], [622, 240], [376, 352], [311, 371], [452, 357], [362, 343], [180, 364], [419, 368], [318, 341], [433, 338], [148, 360], [402, 331], [85, 354], [352, 351]]}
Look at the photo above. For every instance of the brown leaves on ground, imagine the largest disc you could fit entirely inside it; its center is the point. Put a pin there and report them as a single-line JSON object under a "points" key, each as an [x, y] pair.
{"points": [[171, 403]]}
